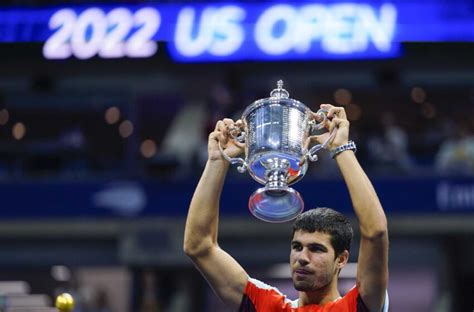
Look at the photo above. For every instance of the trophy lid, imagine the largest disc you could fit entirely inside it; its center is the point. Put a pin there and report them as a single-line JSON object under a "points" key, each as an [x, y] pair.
{"points": [[278, 95], [279, 92]]}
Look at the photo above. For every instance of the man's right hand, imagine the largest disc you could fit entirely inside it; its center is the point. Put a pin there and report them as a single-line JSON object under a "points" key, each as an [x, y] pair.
{"points": [[221, 134]]}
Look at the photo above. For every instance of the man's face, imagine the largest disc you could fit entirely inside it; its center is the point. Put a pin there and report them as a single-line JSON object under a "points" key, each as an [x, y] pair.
{"points": [[313, 261]]}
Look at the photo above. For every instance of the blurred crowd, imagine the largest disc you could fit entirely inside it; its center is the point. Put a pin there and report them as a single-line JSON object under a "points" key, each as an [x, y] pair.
{"points": [[434, 141], [165, 135]]}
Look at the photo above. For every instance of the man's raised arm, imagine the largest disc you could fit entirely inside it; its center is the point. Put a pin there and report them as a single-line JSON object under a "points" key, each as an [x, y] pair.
{"points": [[372, 268], [227, 278]]}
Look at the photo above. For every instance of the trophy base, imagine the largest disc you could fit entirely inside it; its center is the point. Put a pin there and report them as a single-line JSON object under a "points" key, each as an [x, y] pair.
{"points": [[276, 205]]}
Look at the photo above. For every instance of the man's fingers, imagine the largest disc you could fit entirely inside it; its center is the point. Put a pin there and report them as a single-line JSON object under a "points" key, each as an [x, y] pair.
{"points": [[221, 126], [233, 128], [334, 111], [229, 123], [318, 138], [239, 124], [220, 132], [337, 112], [326, 106], [213, 135], [222, 138], [332, 125], [338, 122], [223, 130]]}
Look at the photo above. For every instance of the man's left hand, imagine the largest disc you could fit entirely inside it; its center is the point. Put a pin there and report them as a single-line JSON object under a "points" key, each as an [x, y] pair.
{"points": [[336, 118]]}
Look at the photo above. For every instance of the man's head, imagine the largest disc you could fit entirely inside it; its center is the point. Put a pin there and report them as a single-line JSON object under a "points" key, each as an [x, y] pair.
{"points": [[329, 221], [320, 248]]}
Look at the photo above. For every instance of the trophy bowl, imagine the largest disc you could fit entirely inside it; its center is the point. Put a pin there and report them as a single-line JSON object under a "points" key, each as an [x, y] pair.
{"points": [[276, 132]]}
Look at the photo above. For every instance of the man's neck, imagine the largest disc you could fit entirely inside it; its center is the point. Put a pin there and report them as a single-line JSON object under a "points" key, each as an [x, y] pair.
{"points": [[319, 297]]}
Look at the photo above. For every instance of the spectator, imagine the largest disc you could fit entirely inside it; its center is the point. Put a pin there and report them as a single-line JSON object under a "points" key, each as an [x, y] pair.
{"points": [[456, 155], [389, 149]]}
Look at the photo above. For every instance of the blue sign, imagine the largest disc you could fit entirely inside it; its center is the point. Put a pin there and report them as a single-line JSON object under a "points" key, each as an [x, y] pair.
{"points": [[240, 31], [129, 199]]}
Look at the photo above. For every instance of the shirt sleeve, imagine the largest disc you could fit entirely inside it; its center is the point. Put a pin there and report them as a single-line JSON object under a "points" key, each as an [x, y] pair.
{"points": [[385, 304], [259, 296]]}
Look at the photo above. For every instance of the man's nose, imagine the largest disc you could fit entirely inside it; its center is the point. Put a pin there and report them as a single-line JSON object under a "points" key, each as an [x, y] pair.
{"points": [[303, 258], [303, 262]]}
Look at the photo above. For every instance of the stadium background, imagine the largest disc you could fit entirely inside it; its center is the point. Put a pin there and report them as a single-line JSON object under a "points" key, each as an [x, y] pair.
{"points": [[99, 158]]}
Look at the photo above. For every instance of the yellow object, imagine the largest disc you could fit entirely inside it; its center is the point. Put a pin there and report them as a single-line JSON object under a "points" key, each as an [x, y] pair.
{"points": [[65, 302]]}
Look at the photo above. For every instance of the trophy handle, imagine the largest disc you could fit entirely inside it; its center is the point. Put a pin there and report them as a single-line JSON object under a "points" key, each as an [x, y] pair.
{"points": [[234, 160], [311, 154], [238, 135], [317, 124]]}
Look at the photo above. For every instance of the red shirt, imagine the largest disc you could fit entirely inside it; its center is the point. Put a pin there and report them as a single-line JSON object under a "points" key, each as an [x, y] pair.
{"points": [[264, 298]]}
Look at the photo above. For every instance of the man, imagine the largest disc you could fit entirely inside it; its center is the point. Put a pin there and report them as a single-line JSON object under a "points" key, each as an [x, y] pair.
{"points": [[321, 238]]}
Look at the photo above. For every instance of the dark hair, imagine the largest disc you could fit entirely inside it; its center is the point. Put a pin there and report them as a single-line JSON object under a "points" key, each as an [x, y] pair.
{"points": [[329, 221]]}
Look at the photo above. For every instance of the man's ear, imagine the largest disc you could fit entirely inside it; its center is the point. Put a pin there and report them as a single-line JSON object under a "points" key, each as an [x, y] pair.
{"points": [[342, 259]]}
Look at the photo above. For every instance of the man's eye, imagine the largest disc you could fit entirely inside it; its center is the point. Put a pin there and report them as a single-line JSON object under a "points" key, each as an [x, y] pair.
{"points": [[296, 247]]}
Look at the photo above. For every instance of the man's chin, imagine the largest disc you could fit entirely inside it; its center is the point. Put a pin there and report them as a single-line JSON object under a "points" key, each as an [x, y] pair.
{"points": [[303, 286]]}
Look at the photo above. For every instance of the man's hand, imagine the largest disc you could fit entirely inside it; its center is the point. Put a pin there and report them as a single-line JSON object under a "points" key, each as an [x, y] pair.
{"points": [[222, 135], [336, 118]]}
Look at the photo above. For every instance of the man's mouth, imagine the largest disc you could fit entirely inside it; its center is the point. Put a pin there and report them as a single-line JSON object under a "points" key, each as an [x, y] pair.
{"points": [[301, 271]]}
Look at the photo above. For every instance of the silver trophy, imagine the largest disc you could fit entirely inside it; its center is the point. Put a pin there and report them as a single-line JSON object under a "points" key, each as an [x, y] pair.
{"points": [[276, 133]]}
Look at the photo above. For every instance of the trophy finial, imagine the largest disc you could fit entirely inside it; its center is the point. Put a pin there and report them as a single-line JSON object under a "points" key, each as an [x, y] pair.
{"points": [[279, 92], [280, 84]]}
